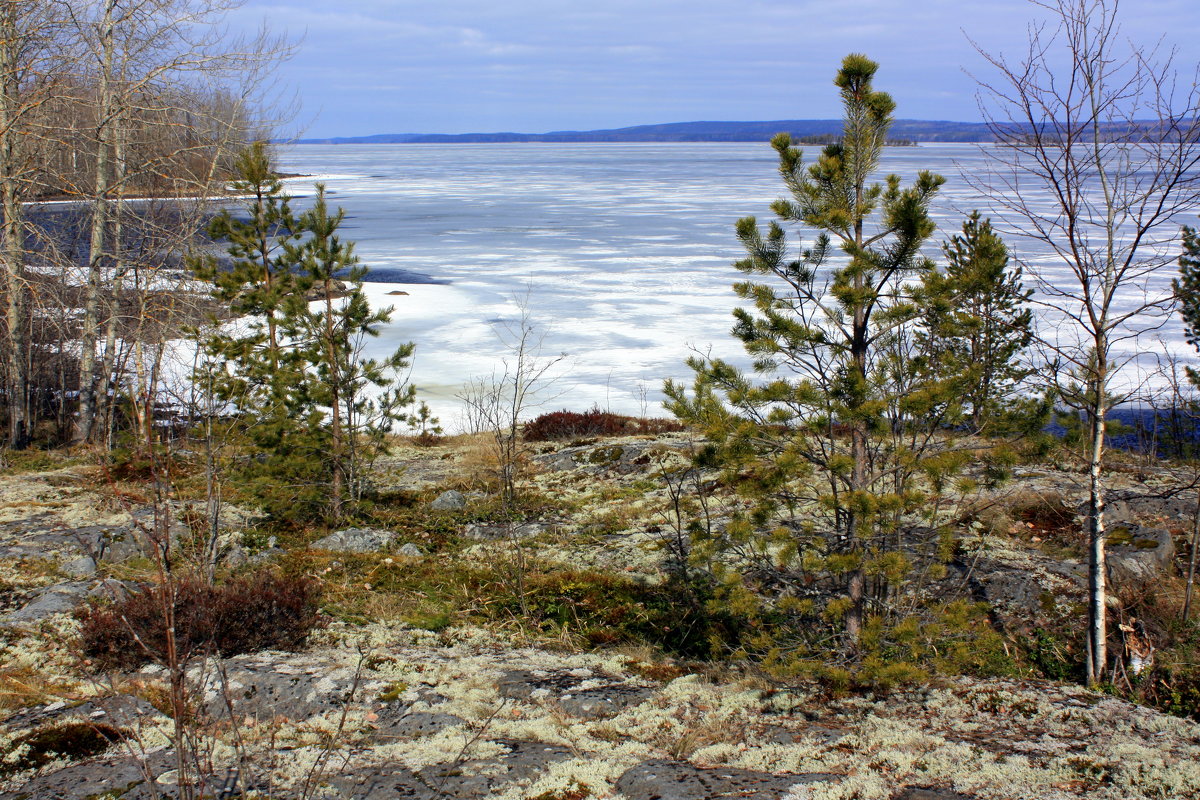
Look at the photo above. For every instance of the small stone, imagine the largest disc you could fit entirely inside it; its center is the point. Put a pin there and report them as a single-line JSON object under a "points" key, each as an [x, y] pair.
{"points": [[449, 501], [410, 550]]}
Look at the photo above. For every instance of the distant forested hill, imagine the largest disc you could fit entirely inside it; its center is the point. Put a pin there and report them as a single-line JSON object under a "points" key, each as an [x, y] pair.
{"points": [[910, 129]]}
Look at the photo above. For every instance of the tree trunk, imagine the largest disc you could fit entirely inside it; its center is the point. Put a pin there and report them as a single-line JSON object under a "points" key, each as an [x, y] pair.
{"points": [[338, 482], [1191, 573], [109, 371], [1097, 639], [15, 343], [89, 334]]}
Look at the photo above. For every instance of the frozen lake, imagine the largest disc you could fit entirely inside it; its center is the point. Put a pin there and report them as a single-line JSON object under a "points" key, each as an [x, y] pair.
{"points": [[624, 252]]}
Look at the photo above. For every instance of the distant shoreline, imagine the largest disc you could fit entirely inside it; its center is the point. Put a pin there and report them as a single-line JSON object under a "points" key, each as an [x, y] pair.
{"points": [[904, 130]]}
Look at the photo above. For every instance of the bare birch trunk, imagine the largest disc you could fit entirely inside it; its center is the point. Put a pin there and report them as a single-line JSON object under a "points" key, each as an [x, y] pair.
{"points": [[89, 334], [15, 342], [1097, 639]]}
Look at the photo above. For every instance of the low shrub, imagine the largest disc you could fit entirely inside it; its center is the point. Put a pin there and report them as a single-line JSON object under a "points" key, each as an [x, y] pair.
{"points": [[256, 612], [573, 424], [608, 609]]}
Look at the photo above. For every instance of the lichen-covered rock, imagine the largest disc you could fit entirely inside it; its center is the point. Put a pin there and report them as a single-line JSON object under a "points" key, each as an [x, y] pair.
{"points": [[117, 776], [661, 779], [61, 598], [620, 456], [399, 723], [490, 533], [274, 685], [355, 540], [449, 501], [465, 778], [1138, 555], [580, 693], [121, 711]]}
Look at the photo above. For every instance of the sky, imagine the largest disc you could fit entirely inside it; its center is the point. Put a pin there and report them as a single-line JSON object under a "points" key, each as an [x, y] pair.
{"points": [[456, 66]]}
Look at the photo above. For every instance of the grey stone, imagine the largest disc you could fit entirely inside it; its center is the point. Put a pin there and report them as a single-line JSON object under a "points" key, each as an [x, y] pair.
{"points": [[403, 724], [930, 793], [623, 457], [289, 685], [263, 556], [82, 567], [137, 538], [602, 697], [1178, 507], [355, 540], [778, 734], [114, 776], [58, 599], [1023, 593], [120, 711], [234, 556], [468, 779], [1149, 552], [674, 780], [449, 501], [410, 550], [491, 533], [110, 589]]}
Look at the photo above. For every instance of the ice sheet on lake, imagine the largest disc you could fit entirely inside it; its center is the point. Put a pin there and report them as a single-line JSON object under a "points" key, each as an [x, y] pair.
{"points": [[624, 250]]}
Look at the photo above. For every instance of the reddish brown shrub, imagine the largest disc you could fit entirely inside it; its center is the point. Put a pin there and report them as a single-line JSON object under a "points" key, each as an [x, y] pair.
{"points": [[573, 424], [257, 612]]}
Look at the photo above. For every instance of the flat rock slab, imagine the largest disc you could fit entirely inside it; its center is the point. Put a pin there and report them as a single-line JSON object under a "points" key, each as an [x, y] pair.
{"points": [[290, 685], [675, 780], [113, 776], [58, 599], [64, 598], [622, 457], [1149, 552], [355, 540], [465, 780], [393, 725], [121, 711], [491, 533], [579, 693], [930, 793]]}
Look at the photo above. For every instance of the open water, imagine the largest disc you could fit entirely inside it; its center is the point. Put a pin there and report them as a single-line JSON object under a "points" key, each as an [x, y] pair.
{"points": [[621, 253]]}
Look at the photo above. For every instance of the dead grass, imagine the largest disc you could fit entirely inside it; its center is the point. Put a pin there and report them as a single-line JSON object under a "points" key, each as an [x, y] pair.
{"points": [[25, 687]]}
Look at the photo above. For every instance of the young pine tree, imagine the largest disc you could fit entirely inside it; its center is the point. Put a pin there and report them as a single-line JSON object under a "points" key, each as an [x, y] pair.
{"points": [[358, 399], [1187, 291], [256, 285], [836, 452], [293, 372], [977, 325]]}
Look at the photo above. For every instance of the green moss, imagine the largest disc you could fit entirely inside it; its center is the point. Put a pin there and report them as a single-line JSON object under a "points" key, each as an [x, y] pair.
{"points": [[15, 462], [430, 619], [606, 455], [69, 740], [393, 692], [1119, 536]]}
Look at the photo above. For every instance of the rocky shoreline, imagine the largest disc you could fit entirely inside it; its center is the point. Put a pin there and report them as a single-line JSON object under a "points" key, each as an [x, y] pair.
{"points": [[386, 709]]}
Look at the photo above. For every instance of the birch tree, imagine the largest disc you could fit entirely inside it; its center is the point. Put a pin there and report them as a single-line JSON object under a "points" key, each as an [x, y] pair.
{"points": [[148, 60], [1097, 149], [28, 69]]}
